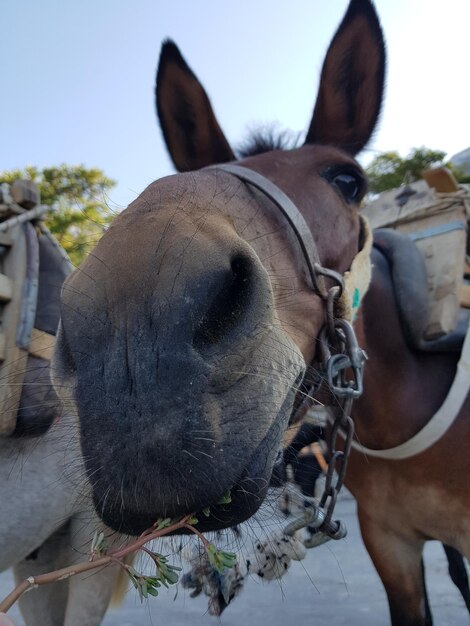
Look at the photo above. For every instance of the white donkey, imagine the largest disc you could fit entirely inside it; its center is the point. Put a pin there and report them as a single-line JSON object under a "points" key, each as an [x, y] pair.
{"points": [[46, 517], [47, 522]]}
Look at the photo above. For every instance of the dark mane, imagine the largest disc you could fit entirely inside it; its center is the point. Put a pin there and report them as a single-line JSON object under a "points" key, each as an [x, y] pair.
{"points": [[267, 138]]}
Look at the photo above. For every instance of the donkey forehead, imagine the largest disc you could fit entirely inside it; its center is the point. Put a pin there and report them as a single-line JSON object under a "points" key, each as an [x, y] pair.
{"points": [[308, 159]]}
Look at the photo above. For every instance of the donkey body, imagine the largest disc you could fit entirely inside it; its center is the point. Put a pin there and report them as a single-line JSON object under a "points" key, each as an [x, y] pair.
{"points": [[403, 503]]}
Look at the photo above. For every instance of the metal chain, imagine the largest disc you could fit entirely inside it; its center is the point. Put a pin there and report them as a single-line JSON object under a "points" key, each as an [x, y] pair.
{"points": [[340, 356]]}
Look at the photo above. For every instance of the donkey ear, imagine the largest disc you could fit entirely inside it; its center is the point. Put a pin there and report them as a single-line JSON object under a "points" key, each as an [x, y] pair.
{"points": [[351, 83], [192, 135]]}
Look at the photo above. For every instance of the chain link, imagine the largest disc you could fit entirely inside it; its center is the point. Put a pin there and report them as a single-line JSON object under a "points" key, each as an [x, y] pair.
{"points": [[341, 356]]}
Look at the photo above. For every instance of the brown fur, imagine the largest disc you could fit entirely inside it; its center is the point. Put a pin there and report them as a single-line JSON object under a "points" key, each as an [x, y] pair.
{"points": [[402, 504], [184, 335]]}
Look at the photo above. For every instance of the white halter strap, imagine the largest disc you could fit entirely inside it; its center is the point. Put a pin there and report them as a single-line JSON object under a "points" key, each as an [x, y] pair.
{"points": [[441, 421]]}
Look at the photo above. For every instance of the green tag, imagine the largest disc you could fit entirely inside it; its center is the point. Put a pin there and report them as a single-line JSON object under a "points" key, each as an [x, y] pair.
{"points": [[356, 298]]}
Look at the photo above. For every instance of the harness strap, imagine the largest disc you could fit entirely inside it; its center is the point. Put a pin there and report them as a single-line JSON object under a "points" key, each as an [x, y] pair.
{"points": [[36, 342], [41, 344], [19, 339], [13, 358], [441, 421], [29, 294], [290, 212]]}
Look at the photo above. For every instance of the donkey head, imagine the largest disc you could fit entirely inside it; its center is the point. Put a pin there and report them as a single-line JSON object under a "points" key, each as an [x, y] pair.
{"points": [[185, 334]]}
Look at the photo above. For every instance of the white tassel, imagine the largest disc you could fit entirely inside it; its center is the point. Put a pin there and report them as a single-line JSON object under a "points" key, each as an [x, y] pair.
{"points": [[272, 557]]}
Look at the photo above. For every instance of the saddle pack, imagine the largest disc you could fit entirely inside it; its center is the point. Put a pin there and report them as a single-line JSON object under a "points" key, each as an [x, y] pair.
{"points": [[32, 270], [422, 228]]}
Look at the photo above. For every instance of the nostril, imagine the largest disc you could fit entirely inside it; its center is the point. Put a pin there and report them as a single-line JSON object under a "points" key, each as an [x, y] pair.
{"points": [[227, 309]]}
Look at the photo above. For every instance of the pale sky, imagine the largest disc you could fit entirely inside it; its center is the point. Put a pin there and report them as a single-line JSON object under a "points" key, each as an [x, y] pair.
{"points": [[78, 77]]}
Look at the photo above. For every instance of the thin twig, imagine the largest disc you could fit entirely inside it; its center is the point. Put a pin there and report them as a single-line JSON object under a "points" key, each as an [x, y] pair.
{"points": [[198, 533], [72, 570]]}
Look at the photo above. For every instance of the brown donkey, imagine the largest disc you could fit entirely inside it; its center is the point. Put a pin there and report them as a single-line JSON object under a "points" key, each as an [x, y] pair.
{"points": [[185, 334], [402, 503]]}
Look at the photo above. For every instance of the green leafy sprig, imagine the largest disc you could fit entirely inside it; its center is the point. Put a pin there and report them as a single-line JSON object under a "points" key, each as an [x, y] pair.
{"points": [[165, 574], [220, 559], [98, 545]]}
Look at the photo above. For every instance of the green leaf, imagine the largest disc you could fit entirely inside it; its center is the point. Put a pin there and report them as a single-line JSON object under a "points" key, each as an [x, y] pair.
{"points": [[228, 558], [171, 577], [219, 559], [162, 523], [226, 498], [98, 544]]}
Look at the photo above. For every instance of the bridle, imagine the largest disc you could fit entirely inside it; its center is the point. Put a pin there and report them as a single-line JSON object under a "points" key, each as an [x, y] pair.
{"points": [[339, 351], [296, 221], [338, 311]]}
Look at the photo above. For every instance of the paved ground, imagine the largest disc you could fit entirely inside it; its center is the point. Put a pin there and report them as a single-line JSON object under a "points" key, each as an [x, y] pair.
{"points": [[335, 585]]}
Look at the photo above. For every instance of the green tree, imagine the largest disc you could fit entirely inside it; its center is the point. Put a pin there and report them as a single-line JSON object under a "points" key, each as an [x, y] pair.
{"points": [[460, 174], [78, 194], [389, 170]]}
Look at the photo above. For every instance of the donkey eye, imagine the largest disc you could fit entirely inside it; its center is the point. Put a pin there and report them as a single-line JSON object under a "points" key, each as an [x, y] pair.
{"points": [[351, 185]]}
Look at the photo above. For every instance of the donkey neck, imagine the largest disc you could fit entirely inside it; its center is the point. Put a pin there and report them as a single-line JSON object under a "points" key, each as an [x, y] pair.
{"points": [[403, 387]]}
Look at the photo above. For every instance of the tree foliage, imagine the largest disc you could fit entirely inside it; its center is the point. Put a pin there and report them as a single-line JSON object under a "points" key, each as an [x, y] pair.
{"points": [[78, 194], [390, 170]]}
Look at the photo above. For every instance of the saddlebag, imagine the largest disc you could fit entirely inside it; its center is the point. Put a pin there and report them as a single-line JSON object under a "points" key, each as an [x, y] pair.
{"points": [[21, 336], [434, 213]]}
